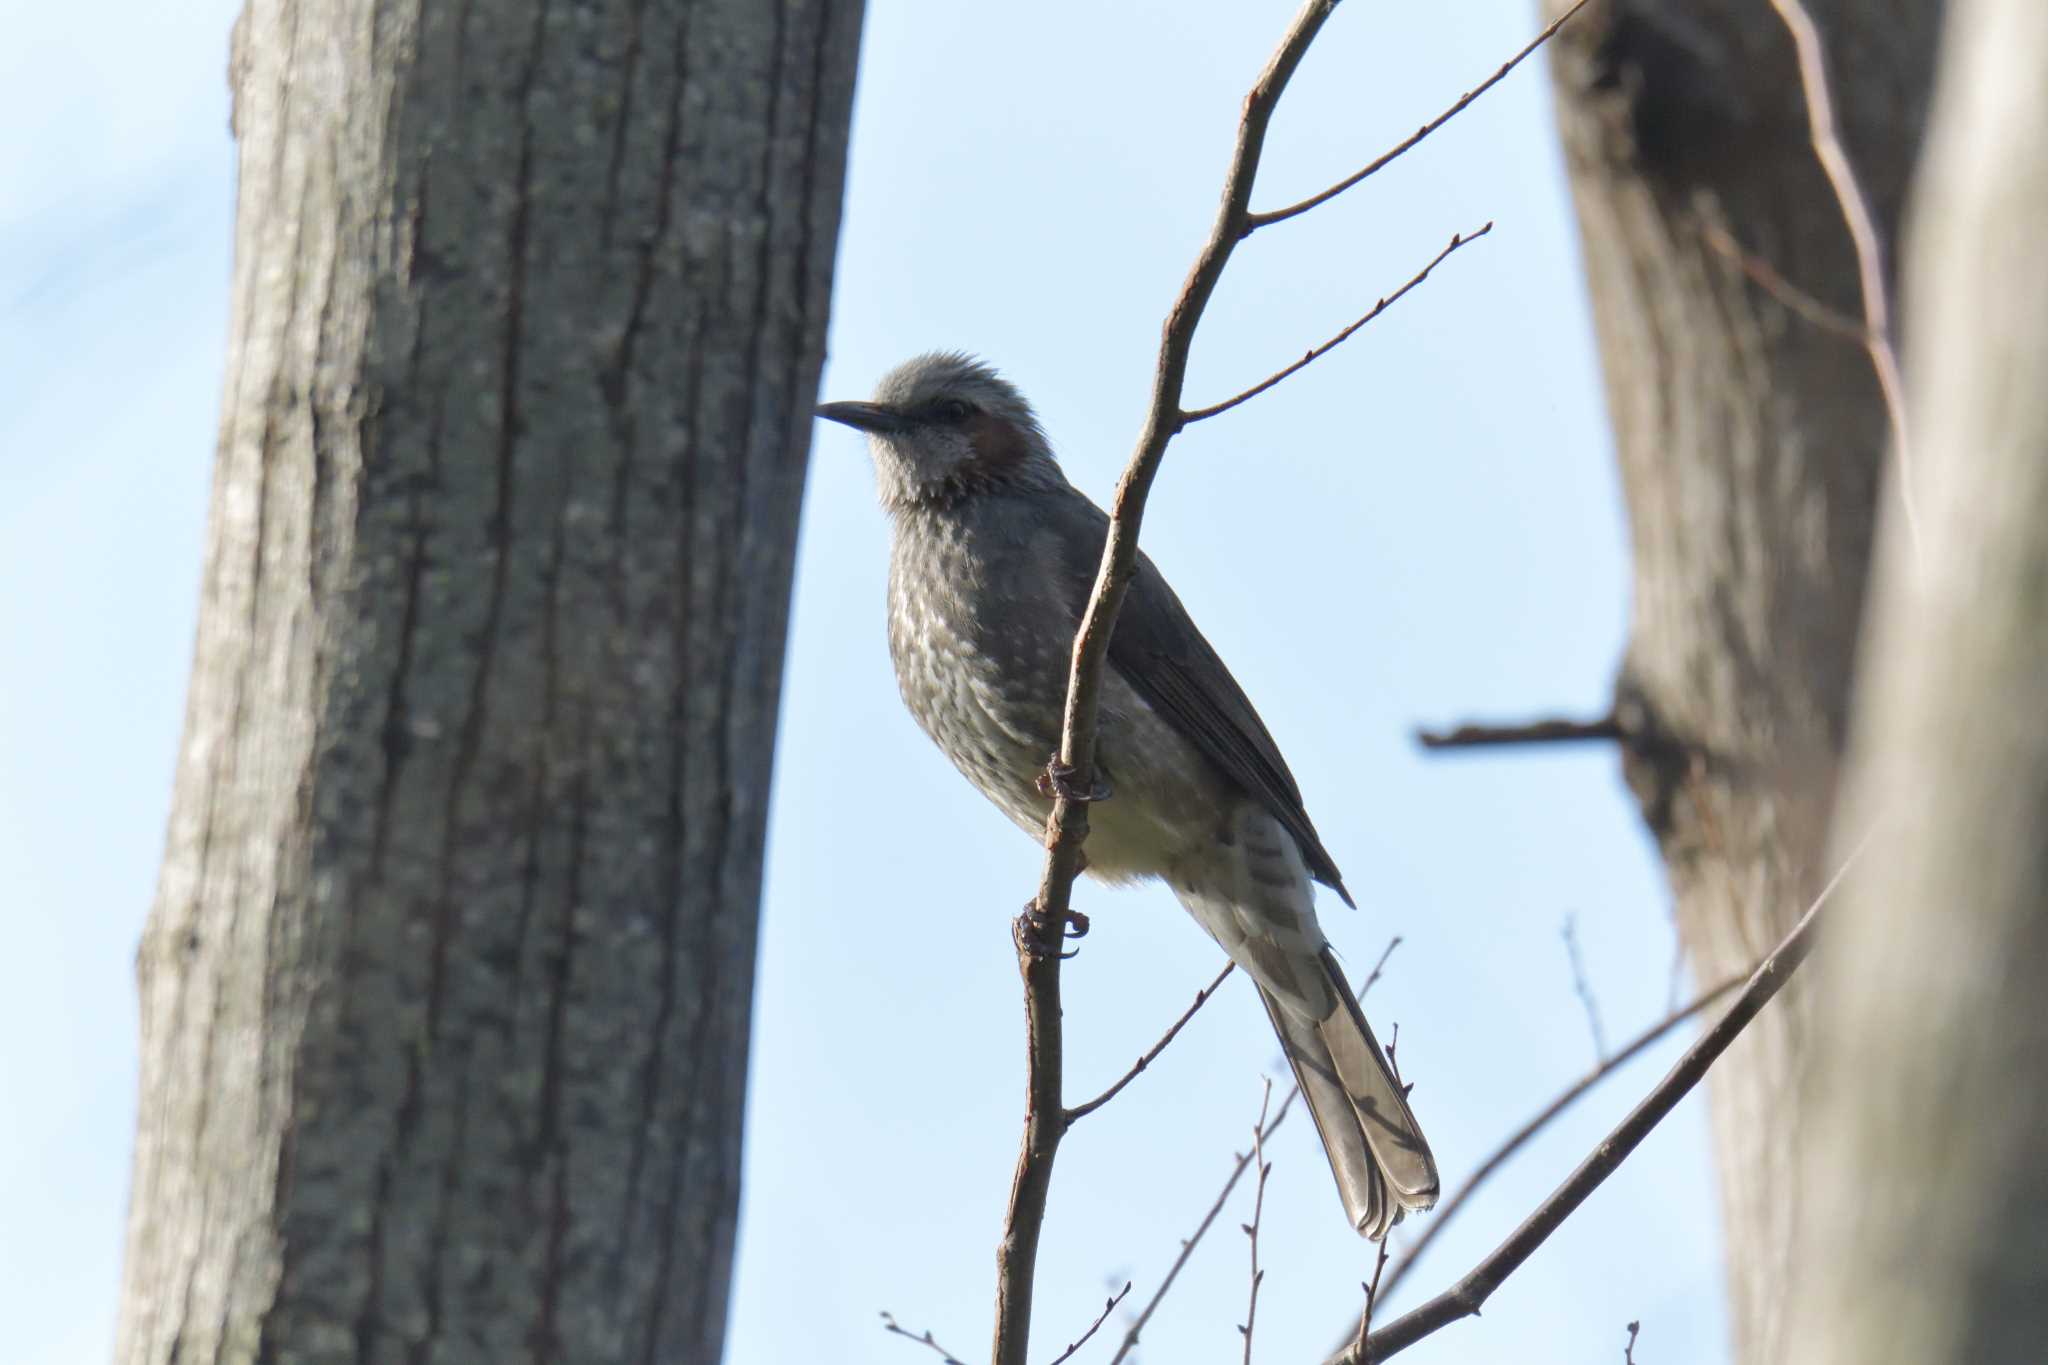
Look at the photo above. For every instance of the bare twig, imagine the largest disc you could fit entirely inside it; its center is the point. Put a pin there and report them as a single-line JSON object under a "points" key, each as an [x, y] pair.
{"points": [[1521, 1137], [1315, 353], [1187, 1247], [1628, 1352], [1259, 220], [1583, 989], [1768, 279], [1251, 1229], [1877, 321], [1202, 998], [1039, 934], [1469, 1294], [1362, 1342], [1152, 1053], [1110, 1307], [1552, 731], [889, 1324], [1372, 977]]}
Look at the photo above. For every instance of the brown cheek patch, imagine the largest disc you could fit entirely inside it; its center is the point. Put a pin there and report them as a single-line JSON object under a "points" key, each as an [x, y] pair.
{"points": [[996, 443]]}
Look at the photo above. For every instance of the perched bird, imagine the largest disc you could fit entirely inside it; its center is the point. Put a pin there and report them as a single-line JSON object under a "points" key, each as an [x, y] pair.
{"points": [[993, 558]]}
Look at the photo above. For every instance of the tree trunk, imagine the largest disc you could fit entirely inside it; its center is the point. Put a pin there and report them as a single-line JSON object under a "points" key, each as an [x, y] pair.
{"points": [[1751, 439], [445, 989], [1927, 1215]]}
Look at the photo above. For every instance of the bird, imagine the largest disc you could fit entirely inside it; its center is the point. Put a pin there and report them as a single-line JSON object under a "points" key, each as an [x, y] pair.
{"points": [[993, 555]]}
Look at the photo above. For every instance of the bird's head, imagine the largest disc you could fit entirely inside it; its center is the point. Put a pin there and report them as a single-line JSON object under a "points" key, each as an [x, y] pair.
{"points": [[943, 427]]}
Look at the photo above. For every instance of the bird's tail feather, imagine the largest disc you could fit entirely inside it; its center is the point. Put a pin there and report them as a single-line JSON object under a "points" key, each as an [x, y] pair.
{"points": [[1376, 1148]]}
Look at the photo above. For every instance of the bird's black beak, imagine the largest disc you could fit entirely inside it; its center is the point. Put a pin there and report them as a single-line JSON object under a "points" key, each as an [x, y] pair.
{"points": [[865, 416]]}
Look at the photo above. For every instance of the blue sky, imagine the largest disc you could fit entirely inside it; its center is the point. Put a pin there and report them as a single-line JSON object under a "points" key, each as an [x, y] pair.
{"points": [[1420, 527]]}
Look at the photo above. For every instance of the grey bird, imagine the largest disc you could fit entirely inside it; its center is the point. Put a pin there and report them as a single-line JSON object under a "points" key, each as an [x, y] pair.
{"points": [[994, 554]]}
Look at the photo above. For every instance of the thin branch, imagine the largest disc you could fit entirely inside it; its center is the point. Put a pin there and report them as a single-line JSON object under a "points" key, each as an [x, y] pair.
{"points": [[1187, 1247], [1552, 731], [1251, 1229], [1362, 1343], [1628, 1352], [1315, 353], [1201, 998], [1469, 1294], [1081, 1111], [1259, 220], [1372, 977], [1040, 933], [1766, 277], [1583, 990], [889, 1324], [1834, 160], [1110, 1307], [1521, 1137]]}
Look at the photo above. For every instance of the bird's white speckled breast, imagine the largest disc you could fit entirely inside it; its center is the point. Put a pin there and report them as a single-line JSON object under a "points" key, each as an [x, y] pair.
{"points": [[989, 717]]}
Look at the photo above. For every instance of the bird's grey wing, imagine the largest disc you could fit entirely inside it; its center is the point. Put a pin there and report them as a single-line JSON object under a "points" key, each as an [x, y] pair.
{"points": [[1159, 651]]}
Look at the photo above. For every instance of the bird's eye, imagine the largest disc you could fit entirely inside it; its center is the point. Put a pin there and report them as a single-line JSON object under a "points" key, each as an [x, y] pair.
{"points": [[952, 410]]}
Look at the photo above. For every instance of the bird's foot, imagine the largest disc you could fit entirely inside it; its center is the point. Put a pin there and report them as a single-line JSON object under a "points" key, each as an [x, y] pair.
{"points": [[1057, 781], [1034, 928]]}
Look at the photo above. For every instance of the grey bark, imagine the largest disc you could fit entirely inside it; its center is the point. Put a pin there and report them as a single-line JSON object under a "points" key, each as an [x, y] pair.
{"points": [[1750, 441], [445, 990], [1927, 1218]]}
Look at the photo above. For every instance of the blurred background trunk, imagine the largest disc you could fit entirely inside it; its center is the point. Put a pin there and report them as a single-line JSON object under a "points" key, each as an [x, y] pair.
{"points": [[445, 991], [1751, 438]]}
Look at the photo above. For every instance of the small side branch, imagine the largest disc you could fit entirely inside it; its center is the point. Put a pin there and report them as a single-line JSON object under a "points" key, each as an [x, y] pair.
{"points": [[1110, 1307], [1251, 1229], [1259, 220], [1766, 277], [1315, 353], [1187, 1248], [889, 1324], [1362, 1341], [1080, 1111], [1583, 988], [1472, 735], [1379, 968]]}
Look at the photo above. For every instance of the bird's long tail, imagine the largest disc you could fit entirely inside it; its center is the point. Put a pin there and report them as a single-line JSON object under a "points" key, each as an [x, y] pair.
{"points": [[1376, 1148]]}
